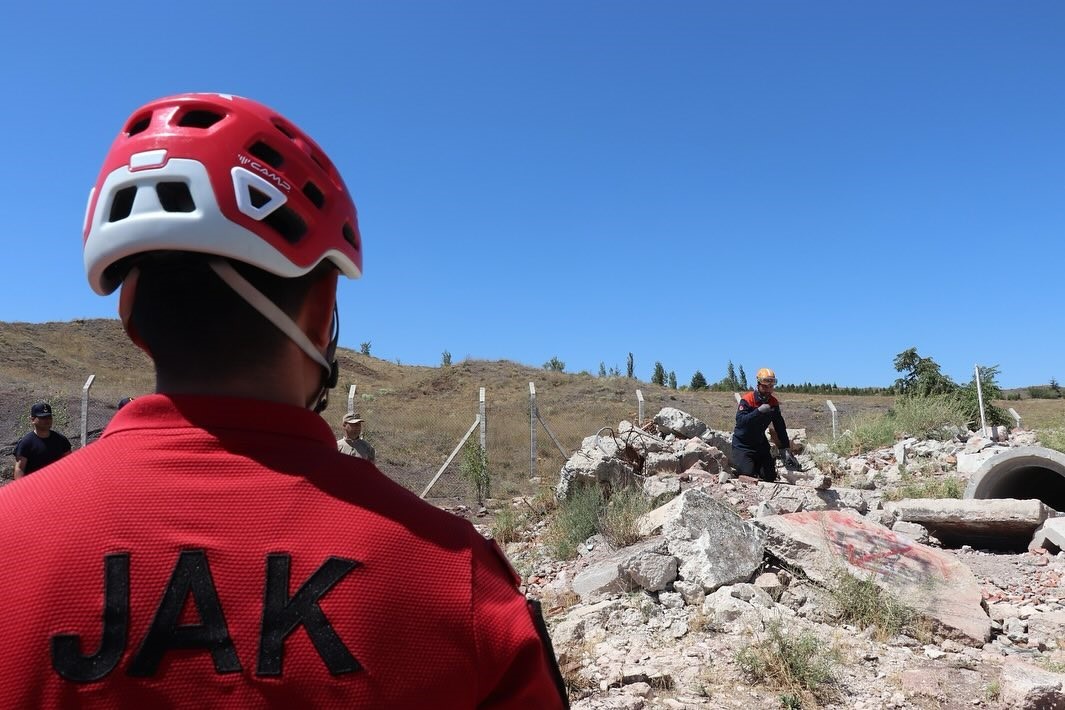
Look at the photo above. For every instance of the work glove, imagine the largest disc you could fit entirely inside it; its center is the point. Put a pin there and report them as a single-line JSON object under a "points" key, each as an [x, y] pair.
{"points": [[790, 462], [764, 409]]}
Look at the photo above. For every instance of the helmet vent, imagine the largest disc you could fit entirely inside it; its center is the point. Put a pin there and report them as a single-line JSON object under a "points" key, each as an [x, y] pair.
{"points": [[122, 204], [200, 118], [287, 223], [258, 198], [314, 194], [266, 154], [349, 237], [139, 124], [175, 197], [284, 130]]}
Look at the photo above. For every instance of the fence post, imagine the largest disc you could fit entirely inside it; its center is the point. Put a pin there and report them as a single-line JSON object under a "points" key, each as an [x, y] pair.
{"points": [[85, 410], [980, 399], [1016, 417], [639, 408], [737, 396], [351, 399], [484, 420], [532, 430], [832, 408]]}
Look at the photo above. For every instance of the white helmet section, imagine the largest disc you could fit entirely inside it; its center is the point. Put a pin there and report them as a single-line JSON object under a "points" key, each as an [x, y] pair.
{"points": [[204, 229]]}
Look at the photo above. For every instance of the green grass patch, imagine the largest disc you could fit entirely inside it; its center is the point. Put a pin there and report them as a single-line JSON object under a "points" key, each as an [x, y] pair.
{"points": [[795, 663], [864, 604], [574, 521], [1052, 438], [586, 511], [938, 487]]}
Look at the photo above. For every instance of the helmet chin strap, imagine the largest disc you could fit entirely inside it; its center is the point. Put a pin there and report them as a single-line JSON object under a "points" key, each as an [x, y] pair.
{"points": [[280, 319]]}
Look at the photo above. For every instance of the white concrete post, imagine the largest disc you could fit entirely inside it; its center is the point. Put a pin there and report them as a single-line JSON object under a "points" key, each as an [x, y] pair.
{"points": [[85, 410], [351, 399], [639, 408], [484, 421], [1016, 417], [980, 399], [532, 430], [832, 408], [737, 396]]}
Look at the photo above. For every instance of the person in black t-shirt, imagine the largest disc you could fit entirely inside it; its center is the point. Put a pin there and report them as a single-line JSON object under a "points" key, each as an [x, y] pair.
{"points": [[41, 446]]}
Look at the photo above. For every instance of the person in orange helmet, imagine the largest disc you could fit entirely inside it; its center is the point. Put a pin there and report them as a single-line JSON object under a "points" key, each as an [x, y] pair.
{"points": [[756, 411]]}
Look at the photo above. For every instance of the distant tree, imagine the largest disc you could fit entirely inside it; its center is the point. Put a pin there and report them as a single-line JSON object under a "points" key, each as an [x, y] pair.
{"points": [[602, 369], [991, 391], [659, 376], [731, 382], [1055, 386], [554, 365], [365, 348], [922, 375], [630, 367], [698, 381], [445, 359], [614, 371], [672, 380], [743, 379]]}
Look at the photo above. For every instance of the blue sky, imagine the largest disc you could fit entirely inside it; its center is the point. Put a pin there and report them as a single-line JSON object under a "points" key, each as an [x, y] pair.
{"points": [[811, 186]]}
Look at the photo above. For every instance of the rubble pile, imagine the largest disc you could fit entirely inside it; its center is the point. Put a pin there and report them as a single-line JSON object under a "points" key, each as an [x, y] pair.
{"points": [[725, 560]]}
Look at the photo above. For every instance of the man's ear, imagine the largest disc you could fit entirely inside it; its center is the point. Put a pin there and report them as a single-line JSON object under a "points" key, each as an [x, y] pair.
{"points": [[316, 315], [125, 308]]}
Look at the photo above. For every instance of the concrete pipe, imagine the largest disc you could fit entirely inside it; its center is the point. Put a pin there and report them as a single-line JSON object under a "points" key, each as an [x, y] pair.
{"points": [[1022, 473]]}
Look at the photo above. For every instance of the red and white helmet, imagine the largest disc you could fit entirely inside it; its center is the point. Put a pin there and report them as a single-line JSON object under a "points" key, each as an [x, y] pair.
{"points": [[222, 175]]}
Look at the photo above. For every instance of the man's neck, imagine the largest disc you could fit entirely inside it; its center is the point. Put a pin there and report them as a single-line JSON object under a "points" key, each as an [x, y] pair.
{"points": [[43, 433]]}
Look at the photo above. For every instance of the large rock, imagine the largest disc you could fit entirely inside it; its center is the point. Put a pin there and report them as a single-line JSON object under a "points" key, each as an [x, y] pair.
{"points": [[645, 563], [684, 425], [1049, 536], [714, 545], [592, 465], [991, 523], [784, 498], [1030, 687], [825, 544]]}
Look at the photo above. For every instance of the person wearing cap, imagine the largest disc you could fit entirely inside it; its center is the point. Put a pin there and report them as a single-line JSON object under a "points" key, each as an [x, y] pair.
{"points": [[352, 443], [755, 413], [41, 446], [212, 549]]}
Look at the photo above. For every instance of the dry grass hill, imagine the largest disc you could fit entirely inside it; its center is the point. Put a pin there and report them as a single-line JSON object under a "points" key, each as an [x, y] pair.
{"points": [[415, 415]]}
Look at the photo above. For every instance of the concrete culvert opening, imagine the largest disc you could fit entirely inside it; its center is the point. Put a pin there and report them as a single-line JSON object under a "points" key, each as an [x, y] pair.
{"points": [[1023, 473]]}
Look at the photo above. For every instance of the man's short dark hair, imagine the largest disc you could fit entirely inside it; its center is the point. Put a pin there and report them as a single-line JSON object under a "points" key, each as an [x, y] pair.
{"points": [[190, 320]]}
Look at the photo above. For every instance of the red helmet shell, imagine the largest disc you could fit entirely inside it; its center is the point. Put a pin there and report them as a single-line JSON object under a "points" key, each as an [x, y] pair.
{"points": [[222, 175]]}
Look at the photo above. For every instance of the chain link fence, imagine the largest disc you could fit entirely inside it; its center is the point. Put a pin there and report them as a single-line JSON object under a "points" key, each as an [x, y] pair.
{"points": [[430, 442]]}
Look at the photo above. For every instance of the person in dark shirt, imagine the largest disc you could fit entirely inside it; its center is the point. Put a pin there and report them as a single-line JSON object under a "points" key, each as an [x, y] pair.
{"points": [[756, 410], [41, 446]]}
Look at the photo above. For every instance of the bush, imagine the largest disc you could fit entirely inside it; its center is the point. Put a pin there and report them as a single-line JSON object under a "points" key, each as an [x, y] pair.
{"points": [[474, 469], [928, 417], [554, 365], [586, 512], [946, 487], [865, 433], [794, 663], [574, 521], [617, 520], [506, 526], [864, 604]]}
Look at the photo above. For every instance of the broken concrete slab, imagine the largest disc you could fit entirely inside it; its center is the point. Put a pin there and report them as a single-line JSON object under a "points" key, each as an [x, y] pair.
{"points": [[1025, 685], [715, 546], [611, 575], [785, 498], [1049, 536], [1001, 523], [825, 544]]}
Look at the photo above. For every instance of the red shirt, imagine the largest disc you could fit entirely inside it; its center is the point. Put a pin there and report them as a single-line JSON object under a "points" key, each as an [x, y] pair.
{"points": [[210, 552]]}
